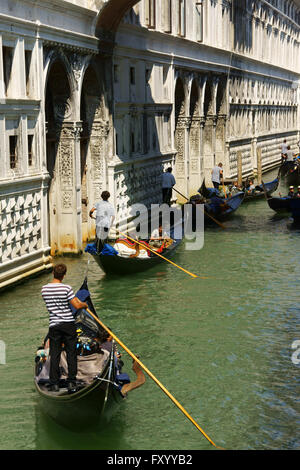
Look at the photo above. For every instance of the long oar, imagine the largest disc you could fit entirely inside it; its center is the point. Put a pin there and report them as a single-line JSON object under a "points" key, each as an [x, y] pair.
{"points": [[265, 191], [158, 254], [153, 378], [206, 213]]}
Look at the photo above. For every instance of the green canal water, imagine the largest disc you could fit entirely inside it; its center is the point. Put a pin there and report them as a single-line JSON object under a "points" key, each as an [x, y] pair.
{"points": [[222, 345]]}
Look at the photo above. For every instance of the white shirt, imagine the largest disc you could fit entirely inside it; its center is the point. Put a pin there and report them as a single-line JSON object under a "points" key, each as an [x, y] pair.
{"points": [[104, 213], [215, 174], [283, 149], [57, 297], [290, 155], [168, 180], [155, 234]]}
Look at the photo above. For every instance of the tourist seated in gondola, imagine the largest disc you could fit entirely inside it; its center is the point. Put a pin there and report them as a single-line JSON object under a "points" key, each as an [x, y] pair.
{"points": [[298, 192], [158, 236], [160, 240], [291, 192], [251, 188], [235, 188]]}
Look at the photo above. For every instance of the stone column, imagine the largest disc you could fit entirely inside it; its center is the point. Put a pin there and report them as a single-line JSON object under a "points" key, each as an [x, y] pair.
{"points": [[194, 150], [64, 208], [181, 141]]}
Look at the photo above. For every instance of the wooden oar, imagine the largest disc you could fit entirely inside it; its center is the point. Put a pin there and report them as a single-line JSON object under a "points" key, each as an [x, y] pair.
{"points": [[265, 191], [224, 190], [158, 254], [206, 213], [152, 377]]}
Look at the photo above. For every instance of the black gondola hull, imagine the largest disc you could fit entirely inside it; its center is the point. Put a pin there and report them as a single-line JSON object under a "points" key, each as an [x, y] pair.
{"points": [[291, 172], [118, 265], [84, 409], [92, 403], [270, 188], [285, 205]]}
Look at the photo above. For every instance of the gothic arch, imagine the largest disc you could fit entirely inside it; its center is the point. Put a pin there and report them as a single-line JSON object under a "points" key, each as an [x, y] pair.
{"points": [[59, 154]]}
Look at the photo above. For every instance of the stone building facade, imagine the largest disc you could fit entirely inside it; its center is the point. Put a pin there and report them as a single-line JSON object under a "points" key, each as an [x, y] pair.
{"points": [[106, 94]]}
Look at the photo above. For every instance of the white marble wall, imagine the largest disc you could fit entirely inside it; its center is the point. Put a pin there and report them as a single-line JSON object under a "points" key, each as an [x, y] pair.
{"points": [[239, 91]]}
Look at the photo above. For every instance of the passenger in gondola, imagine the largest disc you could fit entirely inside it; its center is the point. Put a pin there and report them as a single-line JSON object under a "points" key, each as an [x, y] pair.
{"points": [[251, 187], [291, 192], [105, 216], [62, 330], [158, 236], [235, 188], [298, 192]]}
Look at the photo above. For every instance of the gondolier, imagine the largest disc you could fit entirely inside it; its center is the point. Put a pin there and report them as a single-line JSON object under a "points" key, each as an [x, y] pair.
{"points": [[168, 181], [105, 216], [62, 330], [216, 175]]}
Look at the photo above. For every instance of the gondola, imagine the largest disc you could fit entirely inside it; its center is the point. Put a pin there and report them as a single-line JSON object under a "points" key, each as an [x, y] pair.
{"points": [[98, 389], [291, 172], [259, 191], [281, 205], [220, 208], [285, 205], [115, 262]]}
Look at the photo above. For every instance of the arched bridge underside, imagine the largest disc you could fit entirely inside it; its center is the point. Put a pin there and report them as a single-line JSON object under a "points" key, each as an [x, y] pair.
{"points": [[111, 14]]}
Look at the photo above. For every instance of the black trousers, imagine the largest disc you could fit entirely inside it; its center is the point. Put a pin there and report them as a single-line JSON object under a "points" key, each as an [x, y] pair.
{"points": [[167, 194], [64, 333], [100, 242], [216, 185]]}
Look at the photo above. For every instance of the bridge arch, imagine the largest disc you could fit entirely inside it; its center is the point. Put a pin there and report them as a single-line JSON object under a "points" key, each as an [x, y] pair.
{"points": [[111, 14]]}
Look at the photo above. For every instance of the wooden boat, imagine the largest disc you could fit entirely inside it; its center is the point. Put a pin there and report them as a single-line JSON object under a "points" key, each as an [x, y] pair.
{"points": [[218, 207], [117, 260], [222, 208], [285, 205], [124, 265], [259, 192], [93, 401], [291, 172]]}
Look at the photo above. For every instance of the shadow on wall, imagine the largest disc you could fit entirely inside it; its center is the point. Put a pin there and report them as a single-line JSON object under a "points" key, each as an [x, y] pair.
{"points": [[242, 24], [142, 129]]}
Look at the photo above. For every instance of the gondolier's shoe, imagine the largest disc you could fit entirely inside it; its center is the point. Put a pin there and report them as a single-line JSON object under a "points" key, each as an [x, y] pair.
{"points": [[72, 388]]}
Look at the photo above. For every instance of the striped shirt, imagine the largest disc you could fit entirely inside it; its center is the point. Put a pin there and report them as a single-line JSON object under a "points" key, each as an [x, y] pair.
{"points": [[57, 297]]}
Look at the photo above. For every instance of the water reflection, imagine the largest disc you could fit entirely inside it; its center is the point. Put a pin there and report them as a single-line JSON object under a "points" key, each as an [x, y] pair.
{"points": [[221, 345]]}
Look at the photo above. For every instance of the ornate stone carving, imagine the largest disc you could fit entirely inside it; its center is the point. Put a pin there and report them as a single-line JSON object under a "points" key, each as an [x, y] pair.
{"points": [[20, 230]]}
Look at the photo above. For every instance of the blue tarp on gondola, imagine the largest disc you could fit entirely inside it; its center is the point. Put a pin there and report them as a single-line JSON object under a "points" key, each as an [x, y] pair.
{"points": [[107, 250]]}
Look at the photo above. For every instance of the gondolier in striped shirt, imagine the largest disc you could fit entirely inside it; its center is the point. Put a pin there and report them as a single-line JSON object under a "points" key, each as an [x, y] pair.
{"points": [[62, 329]]}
